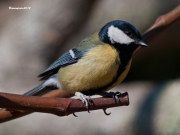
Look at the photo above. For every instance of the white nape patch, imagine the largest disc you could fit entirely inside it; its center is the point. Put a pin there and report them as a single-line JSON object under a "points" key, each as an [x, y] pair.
{"points": [[72, 53], [118, 36], [51, 82]]}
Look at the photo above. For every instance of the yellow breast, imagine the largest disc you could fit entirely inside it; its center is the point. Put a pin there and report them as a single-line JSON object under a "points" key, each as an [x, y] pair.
{"points": [[95, 69]]}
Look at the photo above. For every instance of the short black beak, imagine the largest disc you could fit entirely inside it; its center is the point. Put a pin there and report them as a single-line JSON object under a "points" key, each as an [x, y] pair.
{"points": [[141, 43]]}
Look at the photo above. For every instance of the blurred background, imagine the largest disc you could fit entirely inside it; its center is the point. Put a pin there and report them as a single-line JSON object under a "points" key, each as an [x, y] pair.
{"points": [[31, 39]]}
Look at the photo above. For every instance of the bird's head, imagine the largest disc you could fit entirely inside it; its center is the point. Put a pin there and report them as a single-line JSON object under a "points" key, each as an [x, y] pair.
{"points": [[121, 33]]}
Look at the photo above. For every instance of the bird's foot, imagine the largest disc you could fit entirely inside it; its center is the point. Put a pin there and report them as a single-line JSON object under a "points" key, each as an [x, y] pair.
{"points": [[85, 99], [114, 95]]}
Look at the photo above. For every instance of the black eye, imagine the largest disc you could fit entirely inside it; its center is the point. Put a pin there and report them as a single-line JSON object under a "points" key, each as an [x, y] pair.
{"points": [[128, 33]]}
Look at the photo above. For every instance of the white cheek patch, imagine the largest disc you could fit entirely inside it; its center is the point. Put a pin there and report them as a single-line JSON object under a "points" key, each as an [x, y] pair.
{"points": [[118, 36]]}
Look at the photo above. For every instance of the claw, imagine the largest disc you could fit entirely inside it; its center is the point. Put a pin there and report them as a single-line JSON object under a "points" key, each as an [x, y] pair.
{"points": [[106, 112], [87, 107], [116, 97], [75, 115]]}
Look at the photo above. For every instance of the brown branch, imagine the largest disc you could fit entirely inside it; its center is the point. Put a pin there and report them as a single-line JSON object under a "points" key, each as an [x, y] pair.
{"points": [[57, 106], [155, 30], [6, 115]]}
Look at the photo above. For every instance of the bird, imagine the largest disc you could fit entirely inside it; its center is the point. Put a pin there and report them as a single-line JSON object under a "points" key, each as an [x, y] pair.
{"points": [[96, 64]]}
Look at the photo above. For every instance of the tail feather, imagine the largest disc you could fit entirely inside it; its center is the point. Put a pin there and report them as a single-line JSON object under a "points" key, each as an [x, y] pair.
{"points": [[50, 84], [36, 91]]}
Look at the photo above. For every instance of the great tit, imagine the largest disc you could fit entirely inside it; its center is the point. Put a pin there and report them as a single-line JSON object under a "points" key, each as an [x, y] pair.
{"points": [[96, 64]]}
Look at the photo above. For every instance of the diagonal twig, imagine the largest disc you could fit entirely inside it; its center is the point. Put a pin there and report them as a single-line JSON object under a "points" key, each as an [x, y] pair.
{"points": [[161, 23]]}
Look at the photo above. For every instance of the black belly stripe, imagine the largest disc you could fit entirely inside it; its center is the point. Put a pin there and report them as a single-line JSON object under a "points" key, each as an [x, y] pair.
{"points": [[125, 53], [100, 89]]}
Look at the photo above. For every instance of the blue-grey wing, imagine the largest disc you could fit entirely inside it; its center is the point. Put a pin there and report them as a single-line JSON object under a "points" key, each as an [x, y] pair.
{"points": [[68, 58]]}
